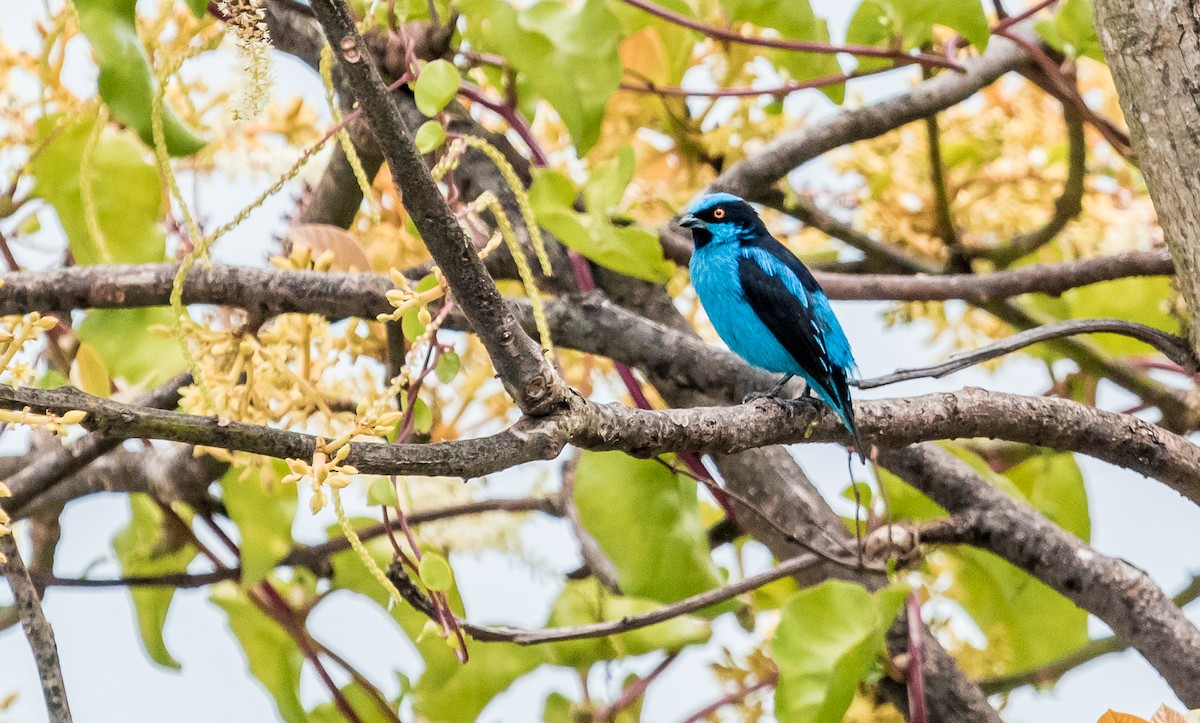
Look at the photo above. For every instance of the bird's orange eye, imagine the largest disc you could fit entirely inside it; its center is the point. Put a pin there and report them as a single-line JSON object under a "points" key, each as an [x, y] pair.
{"points": [[719, 213]]}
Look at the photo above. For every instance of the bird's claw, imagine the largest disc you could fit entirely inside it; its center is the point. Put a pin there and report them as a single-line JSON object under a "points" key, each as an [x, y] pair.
{"points": [[791, 406]]}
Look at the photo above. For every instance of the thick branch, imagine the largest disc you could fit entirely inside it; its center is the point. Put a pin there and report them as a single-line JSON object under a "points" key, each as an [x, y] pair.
{"points": [[336, 295], [1056, 423], [46, 470], [1153, 48], [37, 631], [1124, 597], [526, 374]]}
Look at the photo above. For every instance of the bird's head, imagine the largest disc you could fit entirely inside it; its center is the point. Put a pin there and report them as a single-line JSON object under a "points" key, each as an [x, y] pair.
{"points": [[720, 218]]}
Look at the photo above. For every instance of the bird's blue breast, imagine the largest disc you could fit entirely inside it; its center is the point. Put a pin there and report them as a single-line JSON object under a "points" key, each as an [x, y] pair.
{"points": [[714, 273]]}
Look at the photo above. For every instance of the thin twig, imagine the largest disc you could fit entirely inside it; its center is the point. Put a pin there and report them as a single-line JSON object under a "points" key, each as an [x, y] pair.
{"points": [[807, 46], [37, 631], [917, 712], [1173, 347], [732, 697]]}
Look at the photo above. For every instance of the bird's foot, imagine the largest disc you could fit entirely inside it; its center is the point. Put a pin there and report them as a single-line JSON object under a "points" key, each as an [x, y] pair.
{"points": [[793, 407]]}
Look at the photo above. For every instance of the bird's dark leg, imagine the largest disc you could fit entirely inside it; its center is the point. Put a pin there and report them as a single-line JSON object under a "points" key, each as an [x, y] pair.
{"points": [[772, 394]]}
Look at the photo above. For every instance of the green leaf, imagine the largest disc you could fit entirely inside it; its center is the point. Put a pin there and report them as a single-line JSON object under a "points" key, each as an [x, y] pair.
{"points": [[448, 690], [146, 547], [448, 365], [1027, 624], [564, 55], [263, 509], [1071, 30], [199, 8], [411, 324], [630, 250], [646, 519], [1146, 300], [436, 86], [363, 703], [825, 645], [794, 20], [90, 372], [271, 654], [583, 602], [128, 213], [51, 380], [430, 136], [133, 352], [878, 22], [1053, 484], [435, 572], [381, 492], [607, 183], [422, 417], [125, 82], [460, 696]]}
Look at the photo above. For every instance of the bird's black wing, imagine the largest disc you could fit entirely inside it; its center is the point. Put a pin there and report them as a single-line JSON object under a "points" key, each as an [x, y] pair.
{"points": [[787, 314]]}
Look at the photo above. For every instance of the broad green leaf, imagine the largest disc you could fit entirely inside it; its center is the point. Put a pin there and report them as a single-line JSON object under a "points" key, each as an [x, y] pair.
{"points": [[89, 372], [363, 703], [436, 86], [146, 547], [607, 183], [583, 602], [130, 348], [630, 250], [1146, 300], [460, 696], [448, 365], [271, 654], [794, 20], [563, 53], [1027, 624], [447, 690], [435, 572], [877, 22], [825, 645], [125, 82], [422, 417], [263, 509], [1071, 30], [382, 492], [199, 8], [51, 380], [129, 212], [411, 324], [1053, 484], [430, 136], [647, 521]]}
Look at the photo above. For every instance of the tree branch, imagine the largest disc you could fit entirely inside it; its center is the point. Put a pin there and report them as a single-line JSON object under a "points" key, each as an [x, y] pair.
{"points": [[37, 631], [1124, 597], [526, 374], [46, 470], [757, 173]]}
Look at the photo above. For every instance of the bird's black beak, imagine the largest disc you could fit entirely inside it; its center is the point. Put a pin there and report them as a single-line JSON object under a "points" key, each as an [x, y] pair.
{"points": [[690, 221]]}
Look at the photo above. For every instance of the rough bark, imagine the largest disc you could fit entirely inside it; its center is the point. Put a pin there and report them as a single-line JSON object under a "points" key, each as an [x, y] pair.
{"points": [[1153, 50]]}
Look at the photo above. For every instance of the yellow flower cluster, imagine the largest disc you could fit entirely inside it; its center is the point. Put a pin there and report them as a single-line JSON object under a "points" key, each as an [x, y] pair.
{"points": [[15, 332], [248, 26]]}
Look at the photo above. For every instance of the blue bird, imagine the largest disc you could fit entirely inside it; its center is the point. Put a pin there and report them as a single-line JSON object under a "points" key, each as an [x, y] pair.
{"points": [[766, 305]]}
